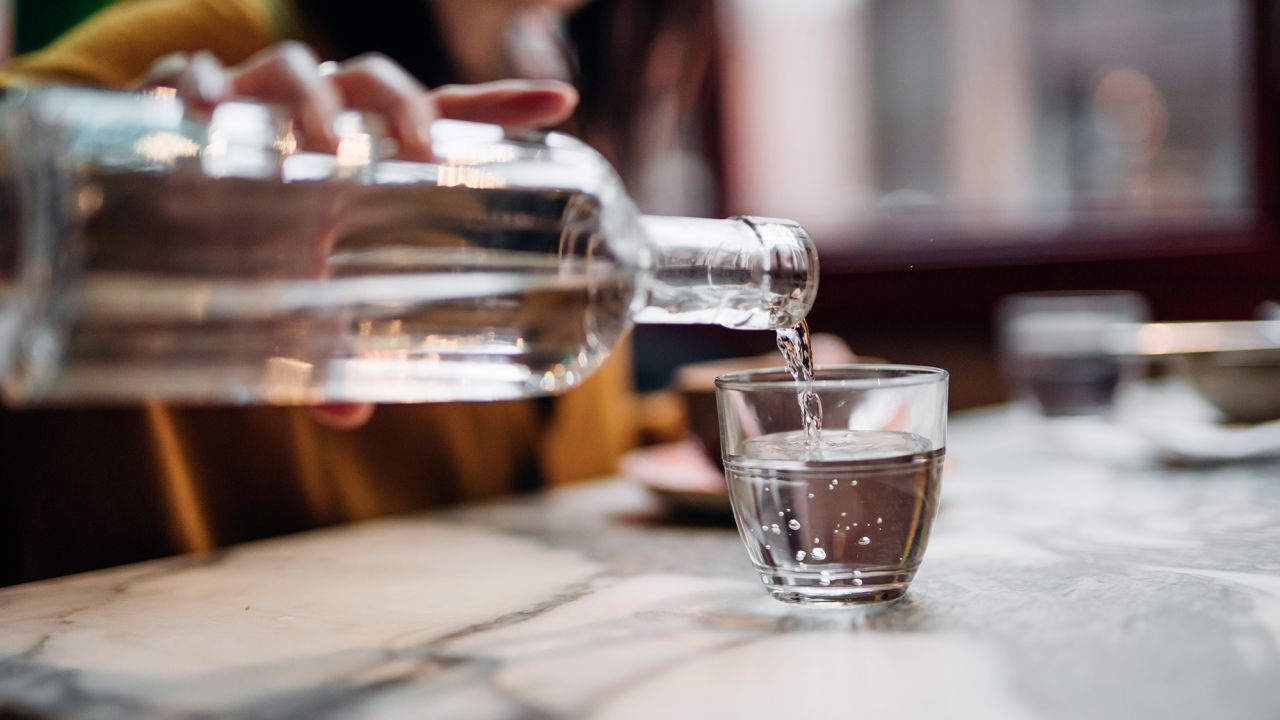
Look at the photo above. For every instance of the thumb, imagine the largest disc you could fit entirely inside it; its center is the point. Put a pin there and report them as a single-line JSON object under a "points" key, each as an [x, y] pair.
{"points": [[518, 103]]}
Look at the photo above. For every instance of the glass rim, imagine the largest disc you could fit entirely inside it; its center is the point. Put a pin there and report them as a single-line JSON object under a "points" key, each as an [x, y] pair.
{"points": [[873, 375]]}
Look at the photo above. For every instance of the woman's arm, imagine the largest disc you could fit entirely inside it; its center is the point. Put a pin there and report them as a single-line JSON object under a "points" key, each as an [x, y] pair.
{"points": [[117, 46]]}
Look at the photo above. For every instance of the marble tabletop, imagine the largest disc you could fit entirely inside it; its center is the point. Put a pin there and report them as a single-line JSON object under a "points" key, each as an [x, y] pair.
{"points": [[1059, 583]]}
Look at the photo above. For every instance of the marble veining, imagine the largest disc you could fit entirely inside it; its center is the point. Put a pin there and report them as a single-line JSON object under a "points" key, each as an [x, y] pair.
{"points": [[1057, 585]]}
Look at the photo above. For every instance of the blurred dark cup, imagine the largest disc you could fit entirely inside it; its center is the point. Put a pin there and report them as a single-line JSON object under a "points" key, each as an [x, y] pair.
{"points": [[696, 385], [1244, 386]]}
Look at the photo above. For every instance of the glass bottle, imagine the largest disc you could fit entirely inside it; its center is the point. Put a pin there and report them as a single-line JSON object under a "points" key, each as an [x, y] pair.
{"points": [[149, 253]]}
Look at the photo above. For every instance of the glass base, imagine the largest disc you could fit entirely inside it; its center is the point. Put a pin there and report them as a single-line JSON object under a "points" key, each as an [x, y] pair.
{"points": [[836, 587]]}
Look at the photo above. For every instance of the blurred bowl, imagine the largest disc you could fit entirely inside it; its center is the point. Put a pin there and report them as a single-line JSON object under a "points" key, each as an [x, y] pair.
{"points": [[696, 385], [679, 477], [1243, 385]]}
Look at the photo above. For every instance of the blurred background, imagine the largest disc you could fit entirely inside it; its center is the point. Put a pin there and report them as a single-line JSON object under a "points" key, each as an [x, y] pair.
{"points": [[945, 153]]}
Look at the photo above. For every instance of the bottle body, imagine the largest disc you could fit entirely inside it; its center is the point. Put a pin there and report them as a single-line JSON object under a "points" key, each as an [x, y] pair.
{"points": [[156, 256]]}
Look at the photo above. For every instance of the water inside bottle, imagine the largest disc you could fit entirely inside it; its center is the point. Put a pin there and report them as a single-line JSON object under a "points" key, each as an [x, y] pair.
{"points": [[389, 292]]}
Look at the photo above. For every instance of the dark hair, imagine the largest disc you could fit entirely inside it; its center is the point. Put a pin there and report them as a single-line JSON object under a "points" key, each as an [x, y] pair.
{"points": [[614, 41], [403, 30]]}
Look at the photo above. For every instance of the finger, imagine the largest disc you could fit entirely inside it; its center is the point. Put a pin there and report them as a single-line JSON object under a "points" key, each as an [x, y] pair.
{"points": [[342, 416], [205, 80], [289, 74], [165, 71], [375, 83], [518, 103], [200, 78]]}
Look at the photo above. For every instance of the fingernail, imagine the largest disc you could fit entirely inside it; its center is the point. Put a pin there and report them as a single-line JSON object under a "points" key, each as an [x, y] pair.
{"points": [[544, 84]]}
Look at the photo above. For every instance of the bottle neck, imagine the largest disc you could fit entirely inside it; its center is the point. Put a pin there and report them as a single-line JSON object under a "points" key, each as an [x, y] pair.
{"points": [[745, 273]]}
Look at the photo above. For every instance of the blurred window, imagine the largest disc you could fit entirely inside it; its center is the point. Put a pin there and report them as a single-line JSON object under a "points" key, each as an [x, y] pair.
{"points": [[988, 122]]}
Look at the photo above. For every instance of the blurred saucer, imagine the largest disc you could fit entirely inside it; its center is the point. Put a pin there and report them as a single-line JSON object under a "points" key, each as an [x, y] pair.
{"points": [[1182, 428], [680, 477]]}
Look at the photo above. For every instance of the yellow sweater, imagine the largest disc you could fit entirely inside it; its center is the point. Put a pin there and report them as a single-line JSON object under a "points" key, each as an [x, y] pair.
{"points": [[93, 487]]}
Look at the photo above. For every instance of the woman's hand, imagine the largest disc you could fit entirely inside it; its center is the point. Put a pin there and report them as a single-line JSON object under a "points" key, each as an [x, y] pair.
{"points": [[290, 75]]}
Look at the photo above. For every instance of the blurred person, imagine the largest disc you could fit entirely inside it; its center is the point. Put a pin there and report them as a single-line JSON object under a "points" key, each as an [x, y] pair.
{"points": [[91, 487]]}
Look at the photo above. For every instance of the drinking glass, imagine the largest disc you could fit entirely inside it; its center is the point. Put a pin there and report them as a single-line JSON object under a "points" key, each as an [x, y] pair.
{"points": [[845, 518], [1064, 353]]}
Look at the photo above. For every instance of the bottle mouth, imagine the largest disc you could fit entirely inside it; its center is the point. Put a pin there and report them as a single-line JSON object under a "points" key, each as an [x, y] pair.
{"points": [[790, 262]]}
